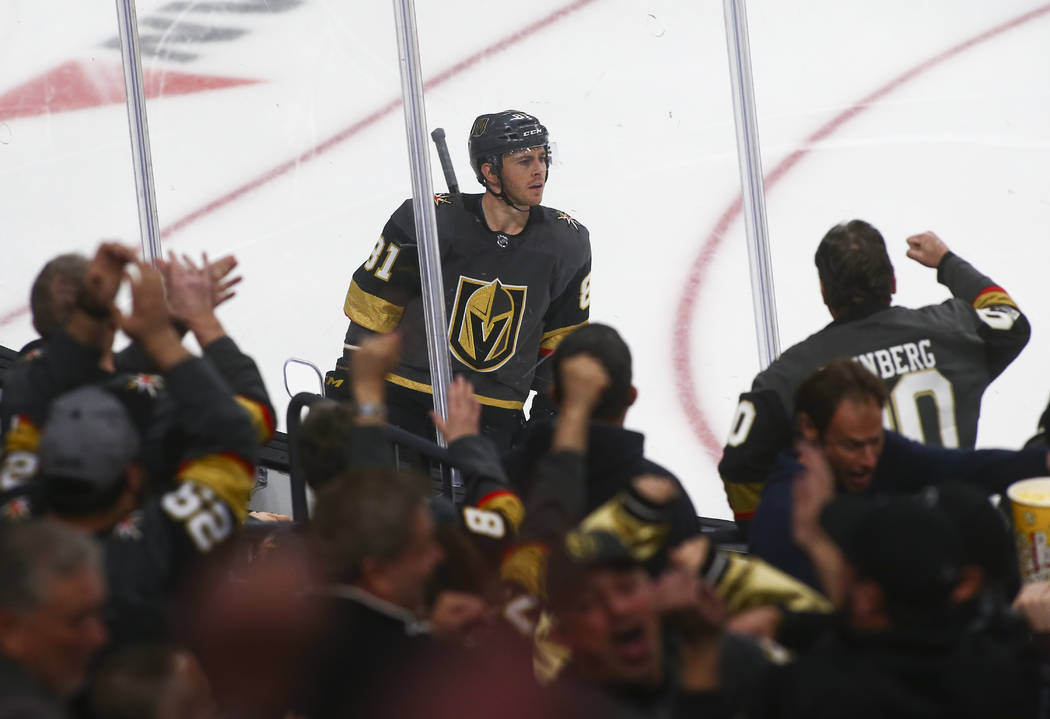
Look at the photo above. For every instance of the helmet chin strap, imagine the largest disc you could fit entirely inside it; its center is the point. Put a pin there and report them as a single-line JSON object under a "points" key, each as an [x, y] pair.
{"points": [[503, 196]]}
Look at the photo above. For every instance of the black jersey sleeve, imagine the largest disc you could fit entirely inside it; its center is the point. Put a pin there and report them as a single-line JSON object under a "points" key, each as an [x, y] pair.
{"points": [[760, 429], [61, 365], [217, 470], [491, 512], [999, 321], [384, 283], [244, 378], [571, 309]]}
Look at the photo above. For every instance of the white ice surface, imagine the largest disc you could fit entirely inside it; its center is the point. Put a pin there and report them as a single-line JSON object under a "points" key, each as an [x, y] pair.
{"points": [[636, 95]]}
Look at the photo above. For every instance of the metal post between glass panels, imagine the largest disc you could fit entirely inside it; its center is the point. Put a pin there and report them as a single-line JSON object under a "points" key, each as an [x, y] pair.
{"points": [[138, 128], [433, 286], [751, 181]]}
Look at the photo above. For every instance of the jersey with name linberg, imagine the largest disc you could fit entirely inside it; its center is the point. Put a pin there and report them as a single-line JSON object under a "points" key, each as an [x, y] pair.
{"points": [[508, 297]]}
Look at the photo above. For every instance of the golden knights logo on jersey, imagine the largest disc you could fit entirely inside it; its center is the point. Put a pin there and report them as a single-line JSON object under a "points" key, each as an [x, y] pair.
{"points": [[483, 332]]}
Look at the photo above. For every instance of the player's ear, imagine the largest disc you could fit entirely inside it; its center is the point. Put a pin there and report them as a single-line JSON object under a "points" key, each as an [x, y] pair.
{"points": [[490, 177], [806, 428], [632, 395], [893, 284]]}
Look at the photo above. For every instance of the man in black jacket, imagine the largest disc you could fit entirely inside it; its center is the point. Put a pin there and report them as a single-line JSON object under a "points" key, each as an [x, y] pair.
{"points": [[615, 455], [898, 649], [376, 536], [90, 449]]}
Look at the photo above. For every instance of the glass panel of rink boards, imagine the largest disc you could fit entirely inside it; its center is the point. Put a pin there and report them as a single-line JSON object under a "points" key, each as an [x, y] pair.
{"points": [[277, 134]]}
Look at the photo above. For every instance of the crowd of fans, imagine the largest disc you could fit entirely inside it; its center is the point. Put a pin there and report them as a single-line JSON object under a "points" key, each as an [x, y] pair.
{"points": [[572, 577]]}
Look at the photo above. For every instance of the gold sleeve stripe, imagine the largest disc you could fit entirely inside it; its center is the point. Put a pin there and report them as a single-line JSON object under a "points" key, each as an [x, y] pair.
{"points": [[526, 566], [549, 656], [748, 582], [423, 387], [506, 503], [992, 296], [230, 477], [262, 420], [744, 497], [371, 312], [644, 538], [550, 340], [23, 436]]}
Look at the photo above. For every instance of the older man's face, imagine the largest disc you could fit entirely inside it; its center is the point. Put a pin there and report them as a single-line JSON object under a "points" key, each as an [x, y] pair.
{"points": [[55, 640]]}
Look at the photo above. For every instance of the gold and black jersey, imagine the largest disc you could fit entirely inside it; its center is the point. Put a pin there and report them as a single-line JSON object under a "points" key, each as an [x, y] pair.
{"points": [[509, 299]]}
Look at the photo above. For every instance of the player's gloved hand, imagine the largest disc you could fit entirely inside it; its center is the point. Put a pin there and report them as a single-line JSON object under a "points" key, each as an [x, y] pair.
{"points": [[337, 384]]}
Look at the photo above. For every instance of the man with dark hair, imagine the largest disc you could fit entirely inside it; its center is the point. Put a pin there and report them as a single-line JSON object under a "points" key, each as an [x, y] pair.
{"points": [[606, 345], [376, 537], [614, 454], [51, 595], [936, 361], [839, 410], [854, 268], [517, 280], [639, 646], [54, 293]]}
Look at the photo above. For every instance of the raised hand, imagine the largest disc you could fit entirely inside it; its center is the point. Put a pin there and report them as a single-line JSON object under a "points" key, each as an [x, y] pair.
{"points": [[192, 297], [927, 249], [190, 289], [222, 284], [464, 412], [102, 279], [149, 322], [811, 492], [372, 362], [582, 379]]}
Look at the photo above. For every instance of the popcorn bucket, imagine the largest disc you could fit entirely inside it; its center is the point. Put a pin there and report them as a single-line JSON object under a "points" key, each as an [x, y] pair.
{"points": [[1030, 499]]}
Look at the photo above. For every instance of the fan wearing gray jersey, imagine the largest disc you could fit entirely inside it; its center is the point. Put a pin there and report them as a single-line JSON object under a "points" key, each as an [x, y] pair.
{"points": [[936, 360]]}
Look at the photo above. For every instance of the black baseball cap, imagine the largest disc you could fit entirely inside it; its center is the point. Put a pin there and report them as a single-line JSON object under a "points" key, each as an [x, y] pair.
{"points": [[580, 552]]}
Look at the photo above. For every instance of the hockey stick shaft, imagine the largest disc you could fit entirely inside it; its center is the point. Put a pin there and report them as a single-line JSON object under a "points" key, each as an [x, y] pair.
{"points": [[438, 135]]}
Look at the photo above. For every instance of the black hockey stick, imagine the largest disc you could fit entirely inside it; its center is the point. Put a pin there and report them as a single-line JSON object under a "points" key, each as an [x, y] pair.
{"points": [[438, 135]]}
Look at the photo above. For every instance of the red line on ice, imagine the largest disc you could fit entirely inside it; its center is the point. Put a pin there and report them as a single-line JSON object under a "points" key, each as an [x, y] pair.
{"points": [[681, 350], [347, 133], [373, 118]]}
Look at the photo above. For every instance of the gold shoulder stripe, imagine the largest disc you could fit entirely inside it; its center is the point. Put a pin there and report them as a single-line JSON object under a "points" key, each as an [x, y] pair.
{"points": [[643, 538], [993, 298], [552, 339], [261, 419], [526, 566], [423, 387], [23, 436], [748, 582], [506, 503], [744, 497], [229, 477], [371, 312]]}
